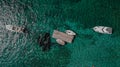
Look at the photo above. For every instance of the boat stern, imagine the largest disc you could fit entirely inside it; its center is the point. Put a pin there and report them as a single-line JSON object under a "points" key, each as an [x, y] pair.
{"points": [[9, 27]]}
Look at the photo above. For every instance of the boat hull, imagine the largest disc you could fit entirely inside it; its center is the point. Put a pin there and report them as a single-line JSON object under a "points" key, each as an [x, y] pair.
{"points": [[103, 29], [14, 28]]}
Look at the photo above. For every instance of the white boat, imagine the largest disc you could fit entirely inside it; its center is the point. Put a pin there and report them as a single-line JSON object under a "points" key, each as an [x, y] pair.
{"points": [[103, 29], [15, 28], [69, 32]]}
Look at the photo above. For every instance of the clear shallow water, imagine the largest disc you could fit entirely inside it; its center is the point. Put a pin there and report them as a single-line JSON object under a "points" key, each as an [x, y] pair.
{"points": [[88, 49]]}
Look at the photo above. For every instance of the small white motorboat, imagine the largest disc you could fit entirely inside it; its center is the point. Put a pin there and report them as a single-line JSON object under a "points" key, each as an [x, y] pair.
{"points": [[69, 32], [103, 29], [15, 28]]}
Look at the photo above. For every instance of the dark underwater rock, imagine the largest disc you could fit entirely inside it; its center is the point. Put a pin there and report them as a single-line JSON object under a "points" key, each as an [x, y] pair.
{"points": [[40, 40], [44, 41]]}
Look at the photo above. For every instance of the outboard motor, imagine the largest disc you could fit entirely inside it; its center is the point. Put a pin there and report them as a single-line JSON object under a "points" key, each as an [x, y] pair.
{"points": [[25, 30]]}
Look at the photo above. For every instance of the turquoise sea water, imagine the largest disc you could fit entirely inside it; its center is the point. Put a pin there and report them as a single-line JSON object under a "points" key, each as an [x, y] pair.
{"points": [[89, 49]]}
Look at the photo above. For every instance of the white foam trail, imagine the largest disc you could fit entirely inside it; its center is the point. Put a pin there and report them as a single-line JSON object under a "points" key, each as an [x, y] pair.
{"points": [[8, 17]]}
